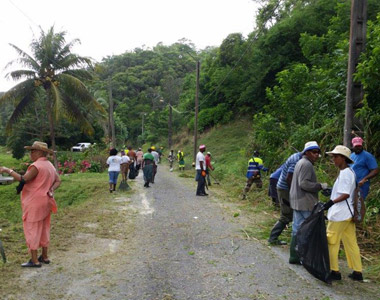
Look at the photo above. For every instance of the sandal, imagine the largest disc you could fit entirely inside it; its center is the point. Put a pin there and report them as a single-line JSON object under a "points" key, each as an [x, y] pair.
{"points": [[42, 260], [31, 264]]}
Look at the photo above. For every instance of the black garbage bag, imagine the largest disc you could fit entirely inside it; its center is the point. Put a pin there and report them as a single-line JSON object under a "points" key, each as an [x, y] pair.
{"points": [[132, 171], [312, 247]]}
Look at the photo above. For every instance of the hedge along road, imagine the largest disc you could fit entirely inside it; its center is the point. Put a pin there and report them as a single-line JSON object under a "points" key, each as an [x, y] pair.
{"points": [[166, 243]]}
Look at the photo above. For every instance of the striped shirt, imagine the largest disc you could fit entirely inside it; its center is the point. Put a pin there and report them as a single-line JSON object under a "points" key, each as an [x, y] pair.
{"points": [[288, 167]]}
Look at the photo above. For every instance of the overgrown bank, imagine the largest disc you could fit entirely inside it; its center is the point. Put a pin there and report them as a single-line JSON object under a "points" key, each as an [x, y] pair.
{"points": [[231, 146]]}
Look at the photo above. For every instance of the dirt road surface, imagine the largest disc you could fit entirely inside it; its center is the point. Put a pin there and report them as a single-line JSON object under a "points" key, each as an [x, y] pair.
{"points": [[166, 243]]}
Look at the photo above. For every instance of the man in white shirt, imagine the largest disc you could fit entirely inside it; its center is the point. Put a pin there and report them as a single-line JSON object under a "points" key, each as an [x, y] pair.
{"points": [[200, 167]]}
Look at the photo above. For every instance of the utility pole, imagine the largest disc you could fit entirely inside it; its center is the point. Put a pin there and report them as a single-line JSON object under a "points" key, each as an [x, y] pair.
{"points": [[354, 91], [196, 111], [143, 114], [111, 121], [170, 131]]}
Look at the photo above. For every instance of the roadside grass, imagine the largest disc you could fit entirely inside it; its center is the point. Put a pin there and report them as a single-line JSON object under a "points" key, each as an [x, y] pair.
{"points": [[230, 149], [81, 199], [7, 160]]}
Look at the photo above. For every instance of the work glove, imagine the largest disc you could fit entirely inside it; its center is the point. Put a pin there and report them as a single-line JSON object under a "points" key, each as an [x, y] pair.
{"points": [[328, 204], [324, 185], [327, 192]]}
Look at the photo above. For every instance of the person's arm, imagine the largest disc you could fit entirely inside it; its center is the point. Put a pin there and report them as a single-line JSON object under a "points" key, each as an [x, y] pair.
{"points": [[305, 182], [289, 179], [201, 164], [55, 185], [370, 175], [29, 175], [331, 202]]}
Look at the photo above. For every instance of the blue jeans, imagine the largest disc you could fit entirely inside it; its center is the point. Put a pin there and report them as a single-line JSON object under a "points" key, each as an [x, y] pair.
{"points": [[298, 217], [113, 176]]}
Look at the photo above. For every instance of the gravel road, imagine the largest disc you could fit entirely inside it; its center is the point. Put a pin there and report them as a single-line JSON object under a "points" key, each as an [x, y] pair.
{"points": [[166, 243]]}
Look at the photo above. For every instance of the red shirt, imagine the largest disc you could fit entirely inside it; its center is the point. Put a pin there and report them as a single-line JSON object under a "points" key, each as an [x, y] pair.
{"points": [[208, 162]]}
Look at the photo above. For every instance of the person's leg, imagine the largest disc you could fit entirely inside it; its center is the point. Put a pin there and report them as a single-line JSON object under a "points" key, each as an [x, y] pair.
{"points": [[351, 247], [334, 234], [116, 175], [285, 218], [198, 178], [33, 232], [110, 176], [299, 217], [203, 185], [122, 170], [258, 182], [247, 187], [45, 237]]}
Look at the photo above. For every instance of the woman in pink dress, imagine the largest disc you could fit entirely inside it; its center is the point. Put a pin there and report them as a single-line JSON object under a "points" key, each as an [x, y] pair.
{"points": [[37, 201]]}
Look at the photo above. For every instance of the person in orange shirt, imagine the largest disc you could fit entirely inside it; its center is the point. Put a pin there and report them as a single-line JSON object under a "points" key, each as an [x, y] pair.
{"points": [[37, 201]]}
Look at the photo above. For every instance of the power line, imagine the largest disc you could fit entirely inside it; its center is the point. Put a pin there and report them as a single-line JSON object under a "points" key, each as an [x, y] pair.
{"points": [[25, 15]]}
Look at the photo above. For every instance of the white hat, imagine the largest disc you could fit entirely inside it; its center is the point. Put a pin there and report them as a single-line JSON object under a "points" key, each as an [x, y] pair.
{"points": [[310, 146], [209, 153], [342, 150]]}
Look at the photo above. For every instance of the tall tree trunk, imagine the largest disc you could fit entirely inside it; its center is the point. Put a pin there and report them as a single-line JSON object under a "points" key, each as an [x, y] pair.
{"points": [[52, 129]]}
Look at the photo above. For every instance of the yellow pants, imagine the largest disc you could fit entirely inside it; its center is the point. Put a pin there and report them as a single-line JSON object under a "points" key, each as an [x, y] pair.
{"points": [[345, 231]]}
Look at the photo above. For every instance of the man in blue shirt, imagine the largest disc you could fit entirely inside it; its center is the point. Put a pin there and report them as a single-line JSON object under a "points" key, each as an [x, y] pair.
{"points": [[272, 191], [364, 166], [283, 187]]}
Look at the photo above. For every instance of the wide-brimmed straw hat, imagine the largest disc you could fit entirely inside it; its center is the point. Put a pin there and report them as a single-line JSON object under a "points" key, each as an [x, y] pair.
{"points": [[342, 150], [39, 146]]}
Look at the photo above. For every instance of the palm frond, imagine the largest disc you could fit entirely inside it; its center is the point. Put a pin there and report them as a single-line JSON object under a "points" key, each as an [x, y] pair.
{"points": [[16, 75], [73, 60], [77, 90], [17, 92], [25, 59], [20, 110], [66, 50], [73, 114], [81, 74], [57, 100]]}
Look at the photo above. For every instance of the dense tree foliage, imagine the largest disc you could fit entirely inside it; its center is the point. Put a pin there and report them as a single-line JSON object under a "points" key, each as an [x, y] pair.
{"points": [[289, 74]]}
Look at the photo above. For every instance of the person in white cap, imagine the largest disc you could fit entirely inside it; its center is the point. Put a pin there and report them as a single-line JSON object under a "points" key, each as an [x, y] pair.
{"points": [[200, 167], [365, 166], [304, 192], [340, 225]]}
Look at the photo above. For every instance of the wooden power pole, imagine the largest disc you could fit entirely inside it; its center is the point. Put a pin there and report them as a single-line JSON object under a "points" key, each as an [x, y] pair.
{"points": [[196, 111], [111, 120], [354, 92]]}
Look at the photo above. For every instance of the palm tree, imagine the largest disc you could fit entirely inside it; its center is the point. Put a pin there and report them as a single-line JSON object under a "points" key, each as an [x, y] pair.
{"points": [[54, 76]]}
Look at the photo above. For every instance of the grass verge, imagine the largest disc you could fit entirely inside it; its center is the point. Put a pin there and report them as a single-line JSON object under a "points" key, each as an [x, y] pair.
{"points": [[82, 199]]}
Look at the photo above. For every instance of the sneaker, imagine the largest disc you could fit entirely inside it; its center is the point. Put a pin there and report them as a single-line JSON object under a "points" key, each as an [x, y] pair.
{"points": [[357, 276], [335, 275], [277, 242]]}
